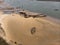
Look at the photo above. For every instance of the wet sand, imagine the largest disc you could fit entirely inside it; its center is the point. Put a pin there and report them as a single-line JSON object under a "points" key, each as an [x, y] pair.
{"points": [[18, 29]]}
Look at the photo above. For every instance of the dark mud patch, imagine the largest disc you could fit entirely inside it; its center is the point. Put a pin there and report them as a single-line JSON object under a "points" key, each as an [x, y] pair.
{"points": [[3, 42]]}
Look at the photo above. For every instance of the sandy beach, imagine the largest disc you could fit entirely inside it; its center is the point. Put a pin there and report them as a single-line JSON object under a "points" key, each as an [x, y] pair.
{"points": [[18, 30]]}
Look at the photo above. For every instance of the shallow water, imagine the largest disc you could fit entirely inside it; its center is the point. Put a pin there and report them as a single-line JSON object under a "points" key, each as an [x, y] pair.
{"points": [[45, 7]]}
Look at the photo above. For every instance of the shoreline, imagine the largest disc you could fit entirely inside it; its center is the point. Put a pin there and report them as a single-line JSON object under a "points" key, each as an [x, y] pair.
{"points": [[50, 18], [53, 19]]}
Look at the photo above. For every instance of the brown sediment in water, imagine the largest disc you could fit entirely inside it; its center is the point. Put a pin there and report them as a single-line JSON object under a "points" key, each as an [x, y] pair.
{"points": [[18, 29]]}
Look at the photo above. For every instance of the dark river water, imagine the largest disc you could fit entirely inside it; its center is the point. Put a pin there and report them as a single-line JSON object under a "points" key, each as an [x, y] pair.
{"points": [[46, 7]]}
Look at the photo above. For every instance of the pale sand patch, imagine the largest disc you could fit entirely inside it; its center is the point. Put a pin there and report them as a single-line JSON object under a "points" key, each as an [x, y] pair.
{"points": [[18, 29]]}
